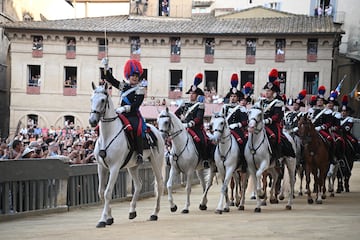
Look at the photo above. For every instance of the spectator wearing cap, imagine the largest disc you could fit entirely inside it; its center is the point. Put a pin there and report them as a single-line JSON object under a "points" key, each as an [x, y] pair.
{"points": [[132, 96], [237, 116], [28, 153], [191, 114]]}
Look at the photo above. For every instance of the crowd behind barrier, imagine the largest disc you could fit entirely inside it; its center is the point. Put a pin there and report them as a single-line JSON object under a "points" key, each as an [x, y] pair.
{"points": [[33, 186]]}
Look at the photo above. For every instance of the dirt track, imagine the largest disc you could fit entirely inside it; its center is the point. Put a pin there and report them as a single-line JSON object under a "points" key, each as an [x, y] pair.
{"points": [[336, 218]]}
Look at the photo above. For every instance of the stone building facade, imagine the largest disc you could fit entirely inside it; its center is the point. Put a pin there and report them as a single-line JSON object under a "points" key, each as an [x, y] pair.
{"points": [[45, 55]]}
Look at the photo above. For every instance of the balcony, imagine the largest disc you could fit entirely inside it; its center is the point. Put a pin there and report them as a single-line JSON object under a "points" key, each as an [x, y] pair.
{"points": [[33, 90], [70, 54], [36, 53], [209, 58], [175, 58], [69, 91], [311, 57], [280, 57], [250, 59]]}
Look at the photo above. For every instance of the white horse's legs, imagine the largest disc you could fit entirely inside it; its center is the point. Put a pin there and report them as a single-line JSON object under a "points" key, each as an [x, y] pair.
{"points": [[209, 183], [103, 175], [106, 218], [189, 177], [134, 173], [244, 184], [225, 177], [259, 190], [169, 186], [157, 164]]}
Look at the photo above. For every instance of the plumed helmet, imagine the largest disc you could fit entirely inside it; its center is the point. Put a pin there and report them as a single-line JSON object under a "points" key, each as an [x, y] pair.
{"points": [[273, 86], [345, 102], [234, 81], [321, 92], [300, 98], [333, 98], [313, 100], [273, 75], [194, 88], [132, 67]]}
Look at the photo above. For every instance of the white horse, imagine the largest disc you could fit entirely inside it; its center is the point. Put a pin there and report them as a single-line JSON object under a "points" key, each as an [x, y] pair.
{"points": [[111, 152], [257, 154], [227, 159], [184, 158]]}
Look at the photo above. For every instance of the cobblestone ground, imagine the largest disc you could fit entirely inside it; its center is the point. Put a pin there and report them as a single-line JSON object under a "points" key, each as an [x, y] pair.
{"points": [[336, 218]]}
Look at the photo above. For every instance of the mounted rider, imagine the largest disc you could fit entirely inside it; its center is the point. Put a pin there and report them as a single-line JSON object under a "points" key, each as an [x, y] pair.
{"points": [[293, 116], [131, 97], [273, 117], [346, 123], [322, 119], [236, 115], [192, 115]]}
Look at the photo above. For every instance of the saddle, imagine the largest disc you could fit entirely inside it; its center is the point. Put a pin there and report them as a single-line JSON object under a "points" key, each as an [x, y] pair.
{"points": [[149, 138]]}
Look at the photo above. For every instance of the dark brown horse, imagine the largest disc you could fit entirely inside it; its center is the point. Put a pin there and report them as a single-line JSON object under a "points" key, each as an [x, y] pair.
{"points": [[316, 158]]}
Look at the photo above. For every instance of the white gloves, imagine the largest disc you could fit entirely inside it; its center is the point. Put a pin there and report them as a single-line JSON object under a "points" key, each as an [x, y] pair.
{"points": [[235, 125], [318, 128], [347, 128], [122, 109], [105, 62], [189, 124], [267, 121], [295, 129]]}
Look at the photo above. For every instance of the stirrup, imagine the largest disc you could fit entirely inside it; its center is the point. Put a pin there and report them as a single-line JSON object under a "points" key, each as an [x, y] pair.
{"points": [[206, 164], [139, 159]]}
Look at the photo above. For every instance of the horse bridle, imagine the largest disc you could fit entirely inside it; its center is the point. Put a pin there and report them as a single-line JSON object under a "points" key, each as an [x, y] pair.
{"points": [[102, 113], [223, 157], [167, 132]]}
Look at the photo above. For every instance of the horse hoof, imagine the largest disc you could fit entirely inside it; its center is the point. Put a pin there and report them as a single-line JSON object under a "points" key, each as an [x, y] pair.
{"points": [[347, 190], [232, 204], [338, 191], [218, 211], [310, 201], [242, 208], [253, 198], [132, 215], [274, 201], [101, 225], [226, 209], [202, 207], [318, 201], [288, 207], [173, 209], [282, 197], [300, 194], [331, 195], [263, 203], [153, 218], [185, 211], [262, 196], [109, 221], [257, 210]]}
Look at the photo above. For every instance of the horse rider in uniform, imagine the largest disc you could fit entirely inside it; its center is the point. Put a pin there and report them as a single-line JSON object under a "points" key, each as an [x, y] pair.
{"points": [[273, 117], [192, 115], [347, 123], [322, 119], [131, 97], [236, 116]]}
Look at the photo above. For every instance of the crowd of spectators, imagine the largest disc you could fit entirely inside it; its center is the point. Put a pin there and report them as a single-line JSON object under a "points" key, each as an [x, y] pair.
{"points": [[72, 143]]}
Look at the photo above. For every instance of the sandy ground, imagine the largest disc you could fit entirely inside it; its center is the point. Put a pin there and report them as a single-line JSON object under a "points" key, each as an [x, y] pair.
{"points": [[336, 218]]}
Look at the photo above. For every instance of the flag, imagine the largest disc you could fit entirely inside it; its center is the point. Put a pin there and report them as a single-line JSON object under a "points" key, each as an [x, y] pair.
{"points": [[338, 88], [354, 92], [70, 2]]}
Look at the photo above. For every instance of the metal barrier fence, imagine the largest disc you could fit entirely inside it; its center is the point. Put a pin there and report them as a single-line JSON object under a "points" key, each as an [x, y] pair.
{"points": [[30, 186]]}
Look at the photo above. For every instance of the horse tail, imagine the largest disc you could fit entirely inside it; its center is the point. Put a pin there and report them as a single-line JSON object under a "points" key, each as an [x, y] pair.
{"points": [[286, 181]]}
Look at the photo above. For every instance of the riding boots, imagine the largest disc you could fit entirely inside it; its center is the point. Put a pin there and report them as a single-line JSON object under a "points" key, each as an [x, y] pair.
{"points": [[139, 150]]}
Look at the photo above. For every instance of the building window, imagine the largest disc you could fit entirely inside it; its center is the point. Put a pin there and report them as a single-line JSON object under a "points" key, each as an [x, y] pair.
{"points": [[209, 50], [250, 50], [312, 48], [211, 85], [282, 79], [176, 84], [37, 43], [32, 121], [135, 45], [102, 47], [311, 82], [175, 49], [70, 48], [164, 8], [70, 81], [69, 123], [247, 76], [37, 48], [34, 76]]}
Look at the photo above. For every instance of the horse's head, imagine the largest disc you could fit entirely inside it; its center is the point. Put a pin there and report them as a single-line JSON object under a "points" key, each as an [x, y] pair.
{"points": [[306, 128], [99, 102], [218, 124], [255, 117], [164, 122]]}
